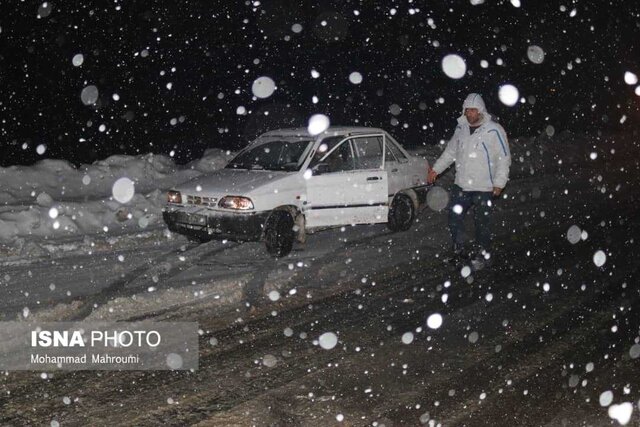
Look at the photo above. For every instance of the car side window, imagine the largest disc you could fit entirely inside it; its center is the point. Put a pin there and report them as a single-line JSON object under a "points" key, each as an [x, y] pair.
{"points": [[341, 159], [369, 152], [391, 146], [389, 156]]}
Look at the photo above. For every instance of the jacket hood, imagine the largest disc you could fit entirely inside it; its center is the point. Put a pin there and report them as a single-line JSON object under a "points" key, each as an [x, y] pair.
{"points": [[474, 100]]}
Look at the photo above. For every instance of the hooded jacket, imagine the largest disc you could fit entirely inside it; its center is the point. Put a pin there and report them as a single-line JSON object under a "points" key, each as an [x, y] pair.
{"points": [[483, 158]]}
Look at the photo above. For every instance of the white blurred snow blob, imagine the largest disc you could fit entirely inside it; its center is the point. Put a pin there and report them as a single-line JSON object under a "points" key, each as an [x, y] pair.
{"points": [[355, 78], [41, 148], [476, 2], [606, 398], [44, 10], [550, 130], [454, 66], [77, 59], [465, 272], [263, 87], [274, 295], [407, 338], [328, 340], [315, 74], [296, 28], [599, 258], [53, 213], [434, 321], [123, 190], [473, 337], [437, 198], [318, 123], [174, 361], [241, 111], [508, 94], [535, 54], [573, 234], [630, 78], [457, 209], [634, 351], [395, 109], [44, 200], [621, 413], [89, 95], [515, 3], [269, 360], [637, 90]]}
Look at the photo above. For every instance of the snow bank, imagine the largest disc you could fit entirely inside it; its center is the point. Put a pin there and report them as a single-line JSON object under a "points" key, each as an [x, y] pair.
{"points": [[54, 199]]}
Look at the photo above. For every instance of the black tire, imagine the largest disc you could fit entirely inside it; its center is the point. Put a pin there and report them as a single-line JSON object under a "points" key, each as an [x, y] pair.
{"points": [[401, 213], [278, 233]]}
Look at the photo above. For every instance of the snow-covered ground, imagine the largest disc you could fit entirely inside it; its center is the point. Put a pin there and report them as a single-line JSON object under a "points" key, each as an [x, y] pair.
{"points": [[53, 199]]}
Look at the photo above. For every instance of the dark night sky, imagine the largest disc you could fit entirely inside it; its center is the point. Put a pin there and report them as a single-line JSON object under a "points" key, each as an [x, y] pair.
{"points": [[211, 52]]}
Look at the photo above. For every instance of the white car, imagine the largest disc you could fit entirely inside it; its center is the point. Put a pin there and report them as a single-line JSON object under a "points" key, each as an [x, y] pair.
{"points": [[288, 183]]}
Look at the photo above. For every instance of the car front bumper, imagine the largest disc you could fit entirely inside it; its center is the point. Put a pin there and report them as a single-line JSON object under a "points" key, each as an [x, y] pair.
{"points": [[206, 224]]}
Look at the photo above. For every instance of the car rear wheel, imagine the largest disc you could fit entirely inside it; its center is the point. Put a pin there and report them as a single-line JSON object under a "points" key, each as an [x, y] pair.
{"points": [[279, 234], [401, 213]]}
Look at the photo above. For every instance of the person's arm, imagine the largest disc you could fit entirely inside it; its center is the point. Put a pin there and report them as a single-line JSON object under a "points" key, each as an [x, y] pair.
{"points": [[447, 157], [503, 162]]}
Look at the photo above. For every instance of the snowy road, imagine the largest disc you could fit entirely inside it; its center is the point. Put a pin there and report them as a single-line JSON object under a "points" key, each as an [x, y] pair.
{"points": [[536, 340]]}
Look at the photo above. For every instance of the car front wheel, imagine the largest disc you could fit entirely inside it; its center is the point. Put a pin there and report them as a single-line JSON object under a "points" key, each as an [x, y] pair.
{"points": [[401, 213], [279, 234]]}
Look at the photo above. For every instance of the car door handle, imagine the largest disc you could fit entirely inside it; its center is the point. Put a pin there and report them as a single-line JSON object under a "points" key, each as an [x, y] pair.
{"points": [[373, 178], [394, 170]]}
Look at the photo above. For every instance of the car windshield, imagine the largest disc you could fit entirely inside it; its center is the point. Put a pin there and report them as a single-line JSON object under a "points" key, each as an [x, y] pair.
{"points": [[277, 155]]}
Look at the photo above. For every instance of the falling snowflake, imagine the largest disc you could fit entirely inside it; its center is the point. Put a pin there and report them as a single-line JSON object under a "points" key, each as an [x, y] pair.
{"points": [[263, 87], [328, 340], [434, 321], [454, 66]]}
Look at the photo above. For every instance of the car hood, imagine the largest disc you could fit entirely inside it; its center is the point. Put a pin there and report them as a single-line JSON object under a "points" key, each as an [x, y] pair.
{"points": [[231, 182]]}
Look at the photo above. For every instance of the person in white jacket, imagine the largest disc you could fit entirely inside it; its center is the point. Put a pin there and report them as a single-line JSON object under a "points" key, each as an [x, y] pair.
{"points": [[480, 150]]}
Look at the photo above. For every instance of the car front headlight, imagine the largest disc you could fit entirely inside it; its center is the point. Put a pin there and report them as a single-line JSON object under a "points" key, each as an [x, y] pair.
{"points": [[236, 202], [174, 197]]}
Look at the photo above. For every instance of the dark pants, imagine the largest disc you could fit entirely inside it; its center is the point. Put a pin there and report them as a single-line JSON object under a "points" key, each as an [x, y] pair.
{"points": [[481, 201]]}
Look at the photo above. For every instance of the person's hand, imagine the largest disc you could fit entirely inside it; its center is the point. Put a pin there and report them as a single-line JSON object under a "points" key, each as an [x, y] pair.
{"points": [[497, 191], [431, 176]]}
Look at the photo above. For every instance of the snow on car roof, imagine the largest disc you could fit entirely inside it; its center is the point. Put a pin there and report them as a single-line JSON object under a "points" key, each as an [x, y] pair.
{"points": [[337, 130]]}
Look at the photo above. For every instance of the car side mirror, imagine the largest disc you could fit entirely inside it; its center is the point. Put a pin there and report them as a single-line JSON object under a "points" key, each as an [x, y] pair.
{"points": [[321, 168]]}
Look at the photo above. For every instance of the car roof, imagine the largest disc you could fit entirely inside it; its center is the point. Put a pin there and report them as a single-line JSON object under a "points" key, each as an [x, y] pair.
{"points": [[331, 131]]}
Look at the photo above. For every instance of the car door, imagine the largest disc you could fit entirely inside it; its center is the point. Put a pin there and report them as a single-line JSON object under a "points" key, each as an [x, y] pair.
{"points": [[347, 189], [395, 164]]}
